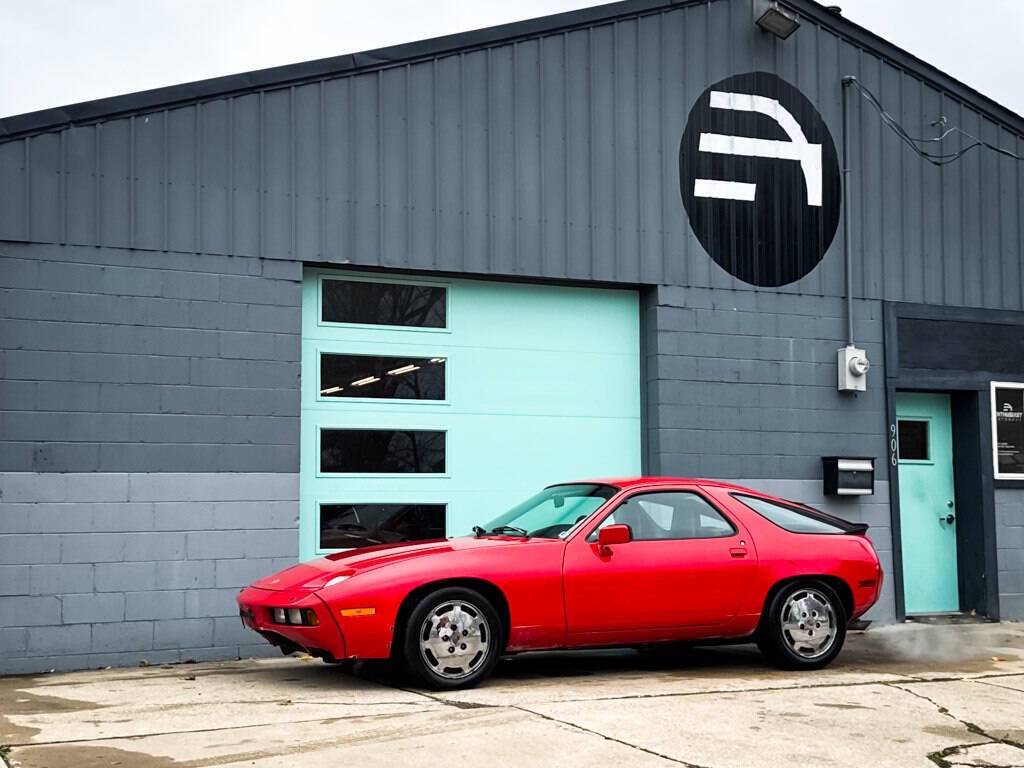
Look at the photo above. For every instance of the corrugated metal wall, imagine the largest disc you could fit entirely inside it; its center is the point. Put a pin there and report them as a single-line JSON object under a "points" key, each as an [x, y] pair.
{"points": [[551, 157]]}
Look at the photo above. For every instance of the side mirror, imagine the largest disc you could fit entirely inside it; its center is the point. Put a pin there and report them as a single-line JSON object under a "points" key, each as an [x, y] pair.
{"points": [[613, 534]]}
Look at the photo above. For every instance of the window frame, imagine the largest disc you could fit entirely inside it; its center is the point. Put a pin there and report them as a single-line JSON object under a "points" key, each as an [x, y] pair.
{"points": [[322, 349], [927, 420], [385, 280], [321, 426], [591, 536]]}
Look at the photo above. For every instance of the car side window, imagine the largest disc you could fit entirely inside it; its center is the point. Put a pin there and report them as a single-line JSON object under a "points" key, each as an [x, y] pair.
{"points": [[789, 519], [669, 515]]}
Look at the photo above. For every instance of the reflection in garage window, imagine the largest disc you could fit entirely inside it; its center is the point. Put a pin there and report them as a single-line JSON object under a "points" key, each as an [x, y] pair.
{"points": [[362, 525], [373, 303], [406, 378], [375, 451]]}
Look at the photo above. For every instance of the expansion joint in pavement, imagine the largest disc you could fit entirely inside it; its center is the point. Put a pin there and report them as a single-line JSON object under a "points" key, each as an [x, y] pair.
{"points": [[605, 736], [939, 757]]}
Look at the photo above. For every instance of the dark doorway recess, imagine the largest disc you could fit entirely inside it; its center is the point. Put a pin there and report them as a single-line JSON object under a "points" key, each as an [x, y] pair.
{"points": [[945, 349]]}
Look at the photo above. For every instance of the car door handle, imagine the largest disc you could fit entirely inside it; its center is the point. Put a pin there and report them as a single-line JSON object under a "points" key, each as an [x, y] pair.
{"points": [[738, 551]]}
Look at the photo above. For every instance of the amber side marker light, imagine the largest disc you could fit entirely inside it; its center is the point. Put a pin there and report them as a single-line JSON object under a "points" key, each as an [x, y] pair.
{"points": [[357, 611]]}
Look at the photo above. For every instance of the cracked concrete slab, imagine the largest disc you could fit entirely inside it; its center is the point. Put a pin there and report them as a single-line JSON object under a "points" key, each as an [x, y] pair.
{"points": [[982, 703], [905, 696], [810, 726]]}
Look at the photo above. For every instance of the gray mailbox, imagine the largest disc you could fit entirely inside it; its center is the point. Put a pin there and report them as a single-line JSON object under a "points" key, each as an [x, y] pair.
{"points": [[848, 475]]}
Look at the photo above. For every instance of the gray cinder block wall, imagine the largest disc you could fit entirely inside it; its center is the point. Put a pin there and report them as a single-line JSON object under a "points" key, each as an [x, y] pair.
{"points": [[1010, 551], [149, 461]]}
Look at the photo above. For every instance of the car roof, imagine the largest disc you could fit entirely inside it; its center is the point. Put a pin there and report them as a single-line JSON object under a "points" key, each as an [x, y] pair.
{"points": [[640, 481]]}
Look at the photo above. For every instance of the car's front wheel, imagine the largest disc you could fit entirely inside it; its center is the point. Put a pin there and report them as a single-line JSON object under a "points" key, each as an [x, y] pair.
{"points": [[804, 626], [452, 639]]}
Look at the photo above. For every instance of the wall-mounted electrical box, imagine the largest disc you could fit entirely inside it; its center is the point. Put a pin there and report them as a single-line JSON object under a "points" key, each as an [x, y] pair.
{"points": [[853, 369], [848, 475]]}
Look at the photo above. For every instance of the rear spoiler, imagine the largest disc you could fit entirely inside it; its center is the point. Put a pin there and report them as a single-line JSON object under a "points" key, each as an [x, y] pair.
{"points": [[855, 529]]}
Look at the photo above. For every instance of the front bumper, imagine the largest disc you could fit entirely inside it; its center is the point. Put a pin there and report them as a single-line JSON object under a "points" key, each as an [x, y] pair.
{"points": [[324, 640]]}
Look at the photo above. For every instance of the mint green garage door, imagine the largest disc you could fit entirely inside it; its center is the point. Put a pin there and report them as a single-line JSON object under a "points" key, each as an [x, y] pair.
{"points": [[430, 406]]}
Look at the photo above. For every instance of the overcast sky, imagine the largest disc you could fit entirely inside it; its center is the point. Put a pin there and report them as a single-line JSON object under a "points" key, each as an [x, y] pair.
{"points": [[56, 52]]}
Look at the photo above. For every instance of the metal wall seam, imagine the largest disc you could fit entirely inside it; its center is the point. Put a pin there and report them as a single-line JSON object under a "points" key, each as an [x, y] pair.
{"points": [[261, 187], [26, 165], [230, 151], [322, 156], [131, 182], [292, 234], [164, 149], [62, 189], [98, 190]]}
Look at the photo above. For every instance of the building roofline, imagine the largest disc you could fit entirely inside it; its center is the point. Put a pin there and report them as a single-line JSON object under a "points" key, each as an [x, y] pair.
{"points": [[55, 118]]}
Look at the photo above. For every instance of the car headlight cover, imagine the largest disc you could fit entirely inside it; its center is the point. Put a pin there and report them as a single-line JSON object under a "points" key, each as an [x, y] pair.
{"points": [[336, 580]]}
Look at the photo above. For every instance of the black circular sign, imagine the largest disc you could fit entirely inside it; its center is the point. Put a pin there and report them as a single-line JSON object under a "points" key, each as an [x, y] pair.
{"points": [[760, 179]]}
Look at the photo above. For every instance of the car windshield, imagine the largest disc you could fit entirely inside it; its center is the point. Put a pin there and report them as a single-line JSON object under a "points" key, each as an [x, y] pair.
{"points": [[553, 512]]}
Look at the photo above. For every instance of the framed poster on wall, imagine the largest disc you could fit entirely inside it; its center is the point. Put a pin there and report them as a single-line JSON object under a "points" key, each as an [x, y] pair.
{"points": [[1008, 430]]}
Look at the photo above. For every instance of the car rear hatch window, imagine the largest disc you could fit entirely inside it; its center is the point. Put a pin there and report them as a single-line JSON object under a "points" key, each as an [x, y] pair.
{"points": [[800, 518]]}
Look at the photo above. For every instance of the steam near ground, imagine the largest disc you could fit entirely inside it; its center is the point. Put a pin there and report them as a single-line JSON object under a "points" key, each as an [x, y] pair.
{"points": [[933, 642]]}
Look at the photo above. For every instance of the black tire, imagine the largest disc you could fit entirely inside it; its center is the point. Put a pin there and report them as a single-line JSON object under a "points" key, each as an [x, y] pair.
{"points": [[478, 625], [793, 646]]}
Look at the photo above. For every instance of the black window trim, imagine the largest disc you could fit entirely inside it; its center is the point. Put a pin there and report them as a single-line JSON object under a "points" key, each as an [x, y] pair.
{"points": [[591, 537], [846, 527], [400, 279]]}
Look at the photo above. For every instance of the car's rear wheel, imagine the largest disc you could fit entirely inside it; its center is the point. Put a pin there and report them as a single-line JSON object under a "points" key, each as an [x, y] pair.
{"points": [[452, 639], [804, 626]]}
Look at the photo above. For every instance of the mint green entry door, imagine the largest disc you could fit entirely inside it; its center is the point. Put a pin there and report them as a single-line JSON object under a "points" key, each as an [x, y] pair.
{"points": [[927, 509], [430, 406]]}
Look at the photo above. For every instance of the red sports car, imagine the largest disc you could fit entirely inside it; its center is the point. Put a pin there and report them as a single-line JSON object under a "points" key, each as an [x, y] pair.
{"points": [[600, 563]]}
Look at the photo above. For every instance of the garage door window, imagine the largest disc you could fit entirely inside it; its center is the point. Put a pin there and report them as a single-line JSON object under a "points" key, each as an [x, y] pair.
{"points": [[382, 451], [360, 525], [363, 302], [372, 376]]}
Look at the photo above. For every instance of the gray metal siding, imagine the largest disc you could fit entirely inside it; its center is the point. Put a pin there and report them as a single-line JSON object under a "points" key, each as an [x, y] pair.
{"points": [[114, 360], [551, 156]]}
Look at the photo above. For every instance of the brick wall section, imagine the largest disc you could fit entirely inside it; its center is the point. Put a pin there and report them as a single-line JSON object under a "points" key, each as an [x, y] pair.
{"points": [[114, 360], [112, 568], [743, 384], [1010, 551]]}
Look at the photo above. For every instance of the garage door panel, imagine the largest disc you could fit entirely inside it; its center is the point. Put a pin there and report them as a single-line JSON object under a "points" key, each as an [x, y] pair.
{"points": [[524, 316], [541, 385]]}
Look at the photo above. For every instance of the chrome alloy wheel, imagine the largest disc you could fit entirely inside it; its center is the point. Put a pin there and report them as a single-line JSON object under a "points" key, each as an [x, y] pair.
{"points": [[454, 638], [808, 623]]}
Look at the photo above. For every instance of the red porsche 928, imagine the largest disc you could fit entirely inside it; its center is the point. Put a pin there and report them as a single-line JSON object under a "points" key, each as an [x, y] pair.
{"points": [[602, 563]]}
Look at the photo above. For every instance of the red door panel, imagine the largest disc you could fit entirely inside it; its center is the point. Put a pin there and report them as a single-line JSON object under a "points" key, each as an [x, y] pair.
{"points": [[651, 584]]}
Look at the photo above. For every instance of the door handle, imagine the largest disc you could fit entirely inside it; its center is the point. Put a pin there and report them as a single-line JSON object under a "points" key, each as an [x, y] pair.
{"points": [[738, 551], [948, 518]]}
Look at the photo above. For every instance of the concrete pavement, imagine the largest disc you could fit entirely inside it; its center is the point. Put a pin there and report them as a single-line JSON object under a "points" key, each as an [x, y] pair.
{"points": [[909, 695]]}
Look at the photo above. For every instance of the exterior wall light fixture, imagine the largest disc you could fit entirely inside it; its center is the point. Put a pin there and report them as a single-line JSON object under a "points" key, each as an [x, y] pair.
{"points": [[778, 22]]}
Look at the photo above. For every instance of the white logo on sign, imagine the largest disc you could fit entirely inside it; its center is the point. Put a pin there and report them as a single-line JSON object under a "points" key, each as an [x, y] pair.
{"points": [[797, 148], [1007, 408]]}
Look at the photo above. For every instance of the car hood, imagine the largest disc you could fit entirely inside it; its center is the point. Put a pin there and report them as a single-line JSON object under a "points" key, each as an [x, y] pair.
{"points": [[314, 574]]}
